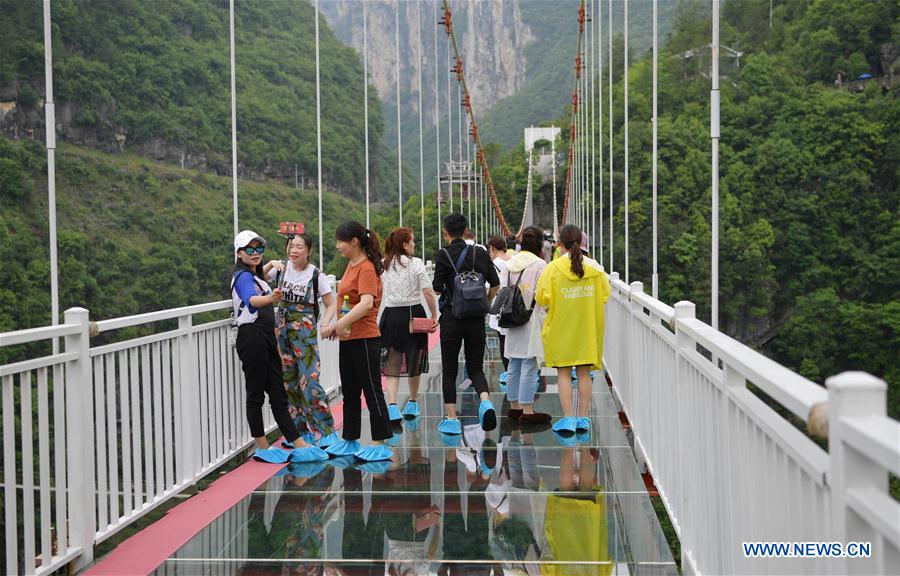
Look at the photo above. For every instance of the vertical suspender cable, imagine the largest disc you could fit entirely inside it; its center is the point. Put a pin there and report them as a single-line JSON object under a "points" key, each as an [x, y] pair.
{"points": [[449, 133], [714, 135], [469, 173], [459, 142], [366, 99], [234, 174], [592, 221], [437, 123], [319, 141], [609, 69], [421, 148], [655, 277], [50, 129], [399, 152], [553, 187], [625, 108], [600, 115]]}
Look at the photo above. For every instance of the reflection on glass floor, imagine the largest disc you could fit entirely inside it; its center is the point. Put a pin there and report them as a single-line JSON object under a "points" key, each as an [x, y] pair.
{"points": [[510, 501]]}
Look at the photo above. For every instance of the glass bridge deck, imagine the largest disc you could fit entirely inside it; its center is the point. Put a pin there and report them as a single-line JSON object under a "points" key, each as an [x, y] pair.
{"points": [[510, 501]]}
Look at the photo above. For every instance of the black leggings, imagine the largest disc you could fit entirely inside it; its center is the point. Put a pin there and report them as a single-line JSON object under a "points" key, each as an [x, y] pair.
{"points": [[455, 333], [503, 357], [258, 351], [360, 365]]}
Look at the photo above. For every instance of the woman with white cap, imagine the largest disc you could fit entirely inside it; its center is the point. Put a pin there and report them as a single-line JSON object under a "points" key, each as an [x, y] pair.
{"points": [[254, 314]]}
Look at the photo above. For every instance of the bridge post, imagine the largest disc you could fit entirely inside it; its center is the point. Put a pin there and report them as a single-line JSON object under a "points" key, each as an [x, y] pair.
{"points": [[188, 433], [853, 395], [687, 464], [82, 494], [637, 384]]}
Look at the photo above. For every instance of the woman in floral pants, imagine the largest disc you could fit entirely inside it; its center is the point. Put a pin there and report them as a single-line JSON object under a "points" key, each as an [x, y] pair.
{"points": [[298, 340]]}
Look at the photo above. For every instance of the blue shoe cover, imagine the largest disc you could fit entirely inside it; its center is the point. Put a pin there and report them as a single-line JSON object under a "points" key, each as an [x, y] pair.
{"points": [[343, 448], [271, 455], [380, 467], [450, 440], [326, 441], [411, 409], [342, 461], [304, 469], [504, 376], [583, 437], [565, 425], [450, 426], [413, 425], [393, 440], [309, 454], [487, 417], [394, 413], [582, 423], [567, 440], [503, 387], [309, 438], [373, 453]]}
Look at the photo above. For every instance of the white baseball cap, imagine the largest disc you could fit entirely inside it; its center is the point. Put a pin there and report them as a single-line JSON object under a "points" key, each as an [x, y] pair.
{"points": [[245, 237]]}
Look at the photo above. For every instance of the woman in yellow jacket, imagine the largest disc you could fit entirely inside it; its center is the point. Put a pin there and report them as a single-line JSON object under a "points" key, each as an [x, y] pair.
{"points": [[574, 289]]}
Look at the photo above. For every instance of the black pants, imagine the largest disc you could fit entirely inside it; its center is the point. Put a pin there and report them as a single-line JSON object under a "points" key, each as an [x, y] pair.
{"points": [[455, 333], [503, 357], [258, 351], [360, 364]]}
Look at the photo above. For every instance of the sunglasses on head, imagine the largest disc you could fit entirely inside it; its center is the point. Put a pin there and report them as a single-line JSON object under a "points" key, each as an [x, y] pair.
{"points": [[250, 250]]}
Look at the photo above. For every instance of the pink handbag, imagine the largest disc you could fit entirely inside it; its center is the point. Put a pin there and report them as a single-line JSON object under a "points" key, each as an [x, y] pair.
{"points": [[420, 325]]}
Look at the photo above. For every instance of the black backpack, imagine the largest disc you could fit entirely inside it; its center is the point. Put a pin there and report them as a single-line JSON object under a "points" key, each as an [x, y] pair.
{"points": [[509, 306], [468, 296]]}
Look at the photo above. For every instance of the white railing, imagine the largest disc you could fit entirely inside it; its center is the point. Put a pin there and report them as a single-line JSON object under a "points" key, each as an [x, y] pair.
{"points": [[730, 468], [95, 438]]}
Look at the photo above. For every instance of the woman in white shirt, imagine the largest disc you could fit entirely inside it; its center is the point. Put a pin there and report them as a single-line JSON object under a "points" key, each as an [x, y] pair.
{"points": [[497, 249], [404, 354], [524, 346], [297, 327]]}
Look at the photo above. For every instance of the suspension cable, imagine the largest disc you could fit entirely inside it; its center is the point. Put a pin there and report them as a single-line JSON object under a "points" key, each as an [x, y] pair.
{"points": [[421, 149], [573, 125], [625, 107], [437, 125], [599, 25], [319, 141], [610, 121], [366, 99], [399, 128], [448, 24]]}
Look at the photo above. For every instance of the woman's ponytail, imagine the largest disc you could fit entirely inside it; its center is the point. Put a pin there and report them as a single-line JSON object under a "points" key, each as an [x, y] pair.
{"points": [[373, 250], [570, 238]]}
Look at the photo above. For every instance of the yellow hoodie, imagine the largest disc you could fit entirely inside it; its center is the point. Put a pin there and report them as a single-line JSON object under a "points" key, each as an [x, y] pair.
{"points": [[573, 330]]}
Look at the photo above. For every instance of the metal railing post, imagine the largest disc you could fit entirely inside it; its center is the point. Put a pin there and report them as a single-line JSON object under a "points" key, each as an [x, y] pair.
{"points": [[636, 355], [684, 311], [79, 433], [187, 445], [855, 395]]}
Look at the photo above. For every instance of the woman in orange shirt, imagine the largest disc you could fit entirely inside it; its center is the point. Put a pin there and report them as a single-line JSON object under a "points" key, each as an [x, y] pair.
{"points": [[360, 346]]}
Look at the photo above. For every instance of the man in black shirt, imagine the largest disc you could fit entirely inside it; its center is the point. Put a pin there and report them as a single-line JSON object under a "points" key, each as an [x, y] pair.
{"points": [[468, 331]]}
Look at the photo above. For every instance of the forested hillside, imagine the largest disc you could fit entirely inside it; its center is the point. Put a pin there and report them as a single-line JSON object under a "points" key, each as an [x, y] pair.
{"points": [[153, 78]]}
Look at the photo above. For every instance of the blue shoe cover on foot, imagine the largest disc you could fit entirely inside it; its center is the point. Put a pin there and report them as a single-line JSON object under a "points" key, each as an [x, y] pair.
{"points": [[487, 417], [504, 376], [565, 425], [567, 440], [451, 440], [326, 441], [343, 448], [379, 467], [583, 437], [374, 453], [394, 413], [411, 410], [503, 387], [271, 455], [393, 440], [582, 423], [309, 454], [412, 425], [342, 461], [450, 426]]}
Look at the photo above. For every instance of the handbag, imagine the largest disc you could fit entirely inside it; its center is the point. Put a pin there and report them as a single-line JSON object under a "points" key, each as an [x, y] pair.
{"points": [[420, 325]]}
